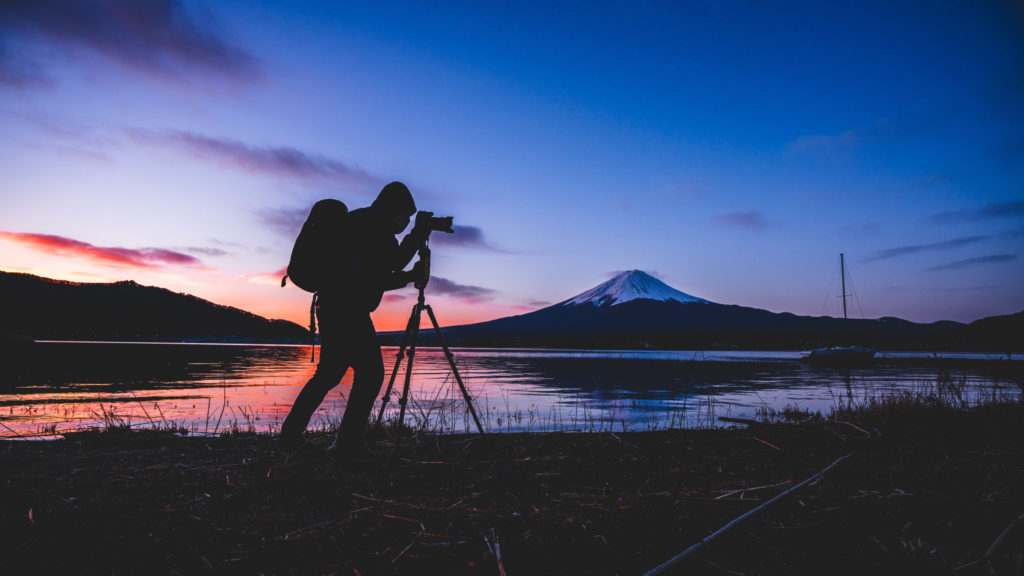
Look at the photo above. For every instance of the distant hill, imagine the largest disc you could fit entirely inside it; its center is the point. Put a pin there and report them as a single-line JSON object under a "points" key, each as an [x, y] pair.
{"points": [[999, 333], [636, 310], [46, 309]]}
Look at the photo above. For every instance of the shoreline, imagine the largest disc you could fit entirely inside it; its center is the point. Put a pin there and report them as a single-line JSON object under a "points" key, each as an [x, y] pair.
{"points": [[930, 353], [928, 489]]}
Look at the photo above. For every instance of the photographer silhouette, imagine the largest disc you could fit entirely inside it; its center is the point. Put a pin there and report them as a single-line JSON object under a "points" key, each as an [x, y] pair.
{"points": [[368, 262]]}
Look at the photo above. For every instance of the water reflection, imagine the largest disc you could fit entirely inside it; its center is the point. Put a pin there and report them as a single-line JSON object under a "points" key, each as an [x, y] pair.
{"points": [[213, 388]]}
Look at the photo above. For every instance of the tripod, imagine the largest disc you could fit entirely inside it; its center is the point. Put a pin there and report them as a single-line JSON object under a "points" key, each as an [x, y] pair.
{"points": [[408, 347]]}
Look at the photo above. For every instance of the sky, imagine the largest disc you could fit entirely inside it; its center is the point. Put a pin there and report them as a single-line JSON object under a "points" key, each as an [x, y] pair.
{"points": [[732, 149]]}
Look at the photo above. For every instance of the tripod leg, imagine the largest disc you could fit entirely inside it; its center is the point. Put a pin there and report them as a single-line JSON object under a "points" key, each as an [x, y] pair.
{"points": [[398, 361], [455, 371], [414, 326]]}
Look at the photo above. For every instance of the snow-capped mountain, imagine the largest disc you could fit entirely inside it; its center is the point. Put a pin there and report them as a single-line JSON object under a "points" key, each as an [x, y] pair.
{"points": [[636, 310], [629, 286]]}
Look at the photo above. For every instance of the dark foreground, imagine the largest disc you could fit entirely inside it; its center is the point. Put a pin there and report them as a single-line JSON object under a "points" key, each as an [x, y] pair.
{"points": [[932, 492]]}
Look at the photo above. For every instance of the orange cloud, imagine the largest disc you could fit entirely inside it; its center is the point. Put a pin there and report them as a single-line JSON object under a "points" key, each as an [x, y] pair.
{"points": [[271, 278], [147, 258], [71, 276]]}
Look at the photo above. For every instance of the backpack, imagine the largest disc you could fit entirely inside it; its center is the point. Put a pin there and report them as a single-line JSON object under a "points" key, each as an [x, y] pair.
{"points": [[311, 264]]}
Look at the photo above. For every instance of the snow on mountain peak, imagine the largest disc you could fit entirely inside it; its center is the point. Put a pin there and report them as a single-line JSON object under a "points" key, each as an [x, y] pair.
{"points": [[632, 285]]}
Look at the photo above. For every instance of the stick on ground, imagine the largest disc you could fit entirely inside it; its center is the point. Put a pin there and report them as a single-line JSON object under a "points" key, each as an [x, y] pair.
{"points": [[679, 557]]}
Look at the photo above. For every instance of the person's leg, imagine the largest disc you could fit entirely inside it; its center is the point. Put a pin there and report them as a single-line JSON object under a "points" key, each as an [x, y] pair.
{"points": [[368, 367], [329, 372]]}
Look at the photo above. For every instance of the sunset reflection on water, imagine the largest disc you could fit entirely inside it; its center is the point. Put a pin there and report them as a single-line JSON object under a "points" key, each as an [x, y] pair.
{"points": [[209, 389]]}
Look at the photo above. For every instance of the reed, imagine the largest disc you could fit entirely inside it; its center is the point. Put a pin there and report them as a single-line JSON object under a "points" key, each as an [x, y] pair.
{"points": [[442, 410]]}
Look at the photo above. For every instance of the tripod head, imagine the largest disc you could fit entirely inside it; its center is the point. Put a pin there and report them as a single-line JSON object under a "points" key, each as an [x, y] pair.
{"points": [[424, 277], [428, 222]]}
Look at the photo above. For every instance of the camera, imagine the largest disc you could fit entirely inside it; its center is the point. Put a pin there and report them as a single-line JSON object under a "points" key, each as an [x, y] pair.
{"points": [[440, 224]]}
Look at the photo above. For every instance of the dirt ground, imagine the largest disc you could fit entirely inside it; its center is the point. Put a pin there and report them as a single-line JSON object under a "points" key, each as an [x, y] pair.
{"points": [[923, 493]]}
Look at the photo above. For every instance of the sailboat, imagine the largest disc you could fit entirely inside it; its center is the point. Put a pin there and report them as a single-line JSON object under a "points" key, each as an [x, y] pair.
{"points": [[840, 354]]}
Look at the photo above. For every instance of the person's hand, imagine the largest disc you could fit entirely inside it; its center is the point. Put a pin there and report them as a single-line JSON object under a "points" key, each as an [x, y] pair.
{"points": [[417, 271], [421, 229]]}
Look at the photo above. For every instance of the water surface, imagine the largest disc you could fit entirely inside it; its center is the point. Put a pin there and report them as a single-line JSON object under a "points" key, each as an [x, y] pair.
{"points": [[211, 388]]}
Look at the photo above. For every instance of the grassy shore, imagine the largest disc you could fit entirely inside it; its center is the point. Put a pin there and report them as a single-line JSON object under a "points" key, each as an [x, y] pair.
{"points": [[929, 488]]}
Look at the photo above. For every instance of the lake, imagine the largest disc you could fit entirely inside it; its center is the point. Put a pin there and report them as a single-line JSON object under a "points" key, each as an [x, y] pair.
{"points": [[212, 388]]}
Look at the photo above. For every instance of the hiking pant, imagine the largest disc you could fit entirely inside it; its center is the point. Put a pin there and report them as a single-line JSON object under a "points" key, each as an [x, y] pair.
{"points": [[347, 339]]}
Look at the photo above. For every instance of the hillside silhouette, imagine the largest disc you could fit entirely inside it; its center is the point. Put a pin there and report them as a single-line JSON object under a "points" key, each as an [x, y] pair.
{"points": [[47, 309], [636, 310]]}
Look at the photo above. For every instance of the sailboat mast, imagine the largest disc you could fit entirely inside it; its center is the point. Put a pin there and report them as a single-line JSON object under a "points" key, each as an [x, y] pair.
{"points": [[842, 275]]}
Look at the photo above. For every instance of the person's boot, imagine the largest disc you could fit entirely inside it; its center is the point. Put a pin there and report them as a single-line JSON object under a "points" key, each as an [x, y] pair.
{"points": [[290, 443], [344, 450]]}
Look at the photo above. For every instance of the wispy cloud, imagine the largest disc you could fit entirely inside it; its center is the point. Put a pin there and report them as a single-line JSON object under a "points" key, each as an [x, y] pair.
{"points": [[939, 289], [239, 246], [394, 298], [987, 212], [931, 181], [22, 72], [958, 289], [750, 220], [284, 221], [81, 154], [159, 37], [443, 286], [268, 278], [464, 236], [825, 142], [207, 251], [654, 273], [883, 130], [66, 136], [972, 262], [149, 258], [283, 162], [915, 249]]}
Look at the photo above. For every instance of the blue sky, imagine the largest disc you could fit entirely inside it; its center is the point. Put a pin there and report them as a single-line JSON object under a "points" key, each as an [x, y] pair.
{"points": [[733, 149]]}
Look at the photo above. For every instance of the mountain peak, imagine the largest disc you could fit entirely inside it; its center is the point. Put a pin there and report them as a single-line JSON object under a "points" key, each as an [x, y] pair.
{"points": [[632, 285]]}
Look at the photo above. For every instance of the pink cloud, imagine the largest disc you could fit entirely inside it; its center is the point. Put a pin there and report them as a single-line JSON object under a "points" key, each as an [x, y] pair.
{"points": [[396, 298], [270, 278], [106, 255]]}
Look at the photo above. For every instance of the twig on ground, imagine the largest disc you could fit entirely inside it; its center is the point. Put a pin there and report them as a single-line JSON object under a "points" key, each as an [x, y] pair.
{"points": [[731, 492], [382, 501], [996, 544], [406, 549], [295, 533], [495, 549], [768, 444], [679, 557], [855, 427]]}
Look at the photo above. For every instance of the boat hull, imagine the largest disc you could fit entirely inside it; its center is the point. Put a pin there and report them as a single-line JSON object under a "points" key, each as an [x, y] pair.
{"points": [[839, 355]]}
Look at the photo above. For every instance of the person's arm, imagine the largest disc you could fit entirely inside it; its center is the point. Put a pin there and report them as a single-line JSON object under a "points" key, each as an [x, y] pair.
{"points": [[402, 278], [412, 242], [396, 277]]}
